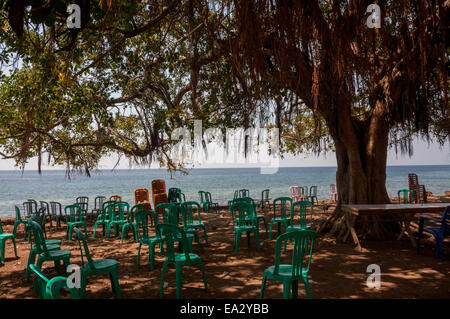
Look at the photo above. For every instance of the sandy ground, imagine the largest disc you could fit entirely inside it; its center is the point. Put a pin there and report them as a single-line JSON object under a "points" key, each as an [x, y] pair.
{"points": [[338, 270]]}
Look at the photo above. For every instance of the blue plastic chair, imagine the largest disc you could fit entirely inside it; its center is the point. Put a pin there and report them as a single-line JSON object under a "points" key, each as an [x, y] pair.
{"points": [[438, 232]]}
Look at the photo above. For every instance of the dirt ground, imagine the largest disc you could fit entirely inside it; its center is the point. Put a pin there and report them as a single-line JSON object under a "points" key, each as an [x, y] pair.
{"points": [[337, 270]]}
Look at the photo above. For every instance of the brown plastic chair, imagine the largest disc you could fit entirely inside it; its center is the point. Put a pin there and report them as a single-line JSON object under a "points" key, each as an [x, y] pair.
{"points": [[158, 186], [116, 198]]}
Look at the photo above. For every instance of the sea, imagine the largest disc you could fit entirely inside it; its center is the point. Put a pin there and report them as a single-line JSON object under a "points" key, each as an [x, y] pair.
{"points": [[53, 185]]}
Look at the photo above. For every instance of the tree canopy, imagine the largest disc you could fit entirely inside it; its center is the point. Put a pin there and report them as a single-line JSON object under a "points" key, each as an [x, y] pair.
{"points": [[136, 70]]}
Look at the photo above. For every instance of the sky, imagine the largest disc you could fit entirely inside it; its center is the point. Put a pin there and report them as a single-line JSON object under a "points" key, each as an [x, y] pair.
{"points": [[423, 154]]}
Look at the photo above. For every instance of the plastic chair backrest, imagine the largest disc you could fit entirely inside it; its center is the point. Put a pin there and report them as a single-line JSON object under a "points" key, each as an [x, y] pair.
{"points": [[84, 249], [158, 186], [134, 210], [169, 213], [244, 212], [174, 195], [303, 247], [45, 205], [73, 213], [187, 210], [208, 197], [170, 234], [17, 209], [244, 193], [83, 201], [141, 195], [202, 195], [121, 209], [55, 208], [115, 198], [30, 207], [38, 236], [313, 191], [303, 205], [141, 218], [98, 202], [265, 195], [445, 223], [405, 196], [333, 188], [283, 206]]}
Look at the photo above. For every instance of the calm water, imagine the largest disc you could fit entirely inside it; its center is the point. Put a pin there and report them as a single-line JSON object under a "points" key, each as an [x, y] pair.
{"points": [[16, 187]]}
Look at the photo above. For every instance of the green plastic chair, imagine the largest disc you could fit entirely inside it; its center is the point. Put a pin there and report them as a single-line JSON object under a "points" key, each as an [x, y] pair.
{"points": [[121, 210], [244, 222], [45, 205], [313, 194], [215, 205], [283, 218], [51, 288], [169, 235], [51, 244], [3, 238], [171, 215], [303, 212], [106, 215], [236, 194], [257, 217], [131, 223], [45, 254], [174, 195], [20, 221], [289, 275], [145, 239], [83, 201], [96, 267], [98, 205], [56, 213], [405, 196], [264, 198], [74, 219], [189, 222], [203, 201]]}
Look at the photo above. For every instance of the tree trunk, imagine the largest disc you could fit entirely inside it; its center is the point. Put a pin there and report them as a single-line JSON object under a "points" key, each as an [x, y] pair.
{"points": [[361, 154]]}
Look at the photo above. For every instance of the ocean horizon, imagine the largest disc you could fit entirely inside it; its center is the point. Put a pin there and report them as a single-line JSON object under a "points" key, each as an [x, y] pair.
{"points": [[16, 186]]}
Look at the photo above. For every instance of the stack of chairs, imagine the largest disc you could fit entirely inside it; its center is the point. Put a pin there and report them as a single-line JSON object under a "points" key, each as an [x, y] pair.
{"points": [[420, 194], [159, 195]]}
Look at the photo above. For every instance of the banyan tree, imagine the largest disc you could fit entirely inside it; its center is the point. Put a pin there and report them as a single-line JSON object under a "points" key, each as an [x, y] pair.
{"points": [[371, 72]]}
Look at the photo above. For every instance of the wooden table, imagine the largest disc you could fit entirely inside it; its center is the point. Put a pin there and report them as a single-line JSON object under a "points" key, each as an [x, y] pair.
{"points": [[405, 212]]}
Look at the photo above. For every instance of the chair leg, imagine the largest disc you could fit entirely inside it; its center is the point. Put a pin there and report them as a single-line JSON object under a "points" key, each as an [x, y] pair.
{"points": [[306, 282], [270, 230], [115, 283], [139, 254], [31, 259], [179, 280], [257, 240], [15, 248], [2, 251], [151, 256], [286, 290], [161, 287], [295, 289], [263, 287], [83, 284], [202, 268]]}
